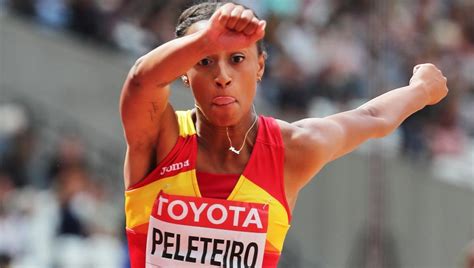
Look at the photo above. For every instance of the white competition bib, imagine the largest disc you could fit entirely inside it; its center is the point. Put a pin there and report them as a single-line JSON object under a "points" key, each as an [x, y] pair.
{"points": [[205, 232]]}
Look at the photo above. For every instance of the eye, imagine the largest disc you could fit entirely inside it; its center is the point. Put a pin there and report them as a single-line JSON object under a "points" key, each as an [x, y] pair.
{"points": [[205, 62], [237, 58]]}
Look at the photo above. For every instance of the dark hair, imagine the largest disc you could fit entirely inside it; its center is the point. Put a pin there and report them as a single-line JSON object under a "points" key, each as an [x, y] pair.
{"points": [[204, 11]]}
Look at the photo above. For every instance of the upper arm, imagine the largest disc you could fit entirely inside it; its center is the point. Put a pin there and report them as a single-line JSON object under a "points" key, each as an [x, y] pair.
{"points": [[322, 140], [145, 112], [141, 109], [341, 133]]}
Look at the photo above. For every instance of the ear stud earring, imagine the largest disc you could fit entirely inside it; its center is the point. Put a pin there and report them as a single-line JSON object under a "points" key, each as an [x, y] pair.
{"points": [[185, 80]]}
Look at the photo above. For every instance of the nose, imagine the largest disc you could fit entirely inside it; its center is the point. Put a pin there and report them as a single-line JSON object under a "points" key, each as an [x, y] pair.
{"points": [[223, 78]]}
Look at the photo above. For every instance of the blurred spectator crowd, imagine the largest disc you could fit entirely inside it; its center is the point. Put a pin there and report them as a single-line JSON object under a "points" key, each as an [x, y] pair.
{"points": [[325, 56], [54, 210]]}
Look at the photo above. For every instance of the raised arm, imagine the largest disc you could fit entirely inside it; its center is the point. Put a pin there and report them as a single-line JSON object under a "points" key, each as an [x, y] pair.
{"points": [[325, 139], [149, 122]]}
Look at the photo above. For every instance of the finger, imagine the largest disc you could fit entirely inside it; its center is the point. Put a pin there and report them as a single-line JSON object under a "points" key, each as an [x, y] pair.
{"points": [[251, 27], [245, 19], [225, 11], [234, 17], [260, 32], [215, 17]]}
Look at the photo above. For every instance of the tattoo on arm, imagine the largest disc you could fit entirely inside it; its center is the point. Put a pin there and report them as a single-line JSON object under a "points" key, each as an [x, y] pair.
{"points": [[151, 116], [153, 111], [155, 106]]}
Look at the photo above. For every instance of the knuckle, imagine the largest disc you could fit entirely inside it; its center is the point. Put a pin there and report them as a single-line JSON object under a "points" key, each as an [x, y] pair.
{"points": [[248, 14], [237, 10], [227, 7]]}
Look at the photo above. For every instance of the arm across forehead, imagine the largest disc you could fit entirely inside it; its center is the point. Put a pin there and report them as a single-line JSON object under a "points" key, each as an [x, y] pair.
{"points": [[204, 12]]}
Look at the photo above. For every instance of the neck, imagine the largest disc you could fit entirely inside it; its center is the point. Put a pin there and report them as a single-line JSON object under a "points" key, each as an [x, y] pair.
{"points": [[215, 139]]}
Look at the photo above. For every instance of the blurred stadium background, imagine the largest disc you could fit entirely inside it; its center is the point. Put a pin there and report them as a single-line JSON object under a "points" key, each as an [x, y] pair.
{"points": [[403, 201]]}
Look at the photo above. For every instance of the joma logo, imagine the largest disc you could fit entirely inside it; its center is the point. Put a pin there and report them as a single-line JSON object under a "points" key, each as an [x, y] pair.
{"points": [[174, 167]]}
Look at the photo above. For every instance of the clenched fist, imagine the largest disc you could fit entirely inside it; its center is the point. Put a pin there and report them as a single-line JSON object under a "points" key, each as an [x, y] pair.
{"points": [[233, 27], [431, 80]]}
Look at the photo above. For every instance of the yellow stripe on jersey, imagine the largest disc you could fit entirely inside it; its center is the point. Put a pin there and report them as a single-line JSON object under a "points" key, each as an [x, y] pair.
{"points": [[139, 202], [247, 191], [186, 124]]}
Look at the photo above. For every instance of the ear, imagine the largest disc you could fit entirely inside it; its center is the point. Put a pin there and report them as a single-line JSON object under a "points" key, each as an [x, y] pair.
{"points": [[261, 65]]}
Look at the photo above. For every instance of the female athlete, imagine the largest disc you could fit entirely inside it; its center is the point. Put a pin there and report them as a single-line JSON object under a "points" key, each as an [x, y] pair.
{"points": [[215, 185]]}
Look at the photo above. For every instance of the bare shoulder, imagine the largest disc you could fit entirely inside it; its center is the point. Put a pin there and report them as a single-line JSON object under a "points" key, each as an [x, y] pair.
{"points": [[296, 137], [303, 154]]}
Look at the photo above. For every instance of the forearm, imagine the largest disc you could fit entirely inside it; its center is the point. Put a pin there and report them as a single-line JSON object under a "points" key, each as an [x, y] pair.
{"points": [[396, 105], [145, 93], [165, 63]]}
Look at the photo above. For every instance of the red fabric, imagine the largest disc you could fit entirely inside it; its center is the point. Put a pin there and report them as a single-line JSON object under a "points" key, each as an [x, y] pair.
{"points": [[270, 259], [184, 149], [136, 248], [216, 185], [265, 166]]}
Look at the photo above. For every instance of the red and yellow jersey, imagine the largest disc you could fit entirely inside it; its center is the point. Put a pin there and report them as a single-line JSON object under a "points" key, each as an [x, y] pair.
{"points": [[170, 224]]}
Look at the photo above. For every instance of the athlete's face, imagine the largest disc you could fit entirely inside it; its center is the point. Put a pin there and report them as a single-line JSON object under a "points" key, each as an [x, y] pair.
{"points": [[224, 84]]}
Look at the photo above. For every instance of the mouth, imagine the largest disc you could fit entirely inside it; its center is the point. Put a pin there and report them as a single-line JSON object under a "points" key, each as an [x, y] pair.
{"points": [[223, 100]]}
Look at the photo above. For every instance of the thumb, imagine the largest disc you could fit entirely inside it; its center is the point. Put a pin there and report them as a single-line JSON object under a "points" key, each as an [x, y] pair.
{"points": [[260, 32], [215, 17]]}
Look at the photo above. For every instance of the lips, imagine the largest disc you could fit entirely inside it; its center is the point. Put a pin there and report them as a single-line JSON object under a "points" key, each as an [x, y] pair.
{"points": [[223, 100]]}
